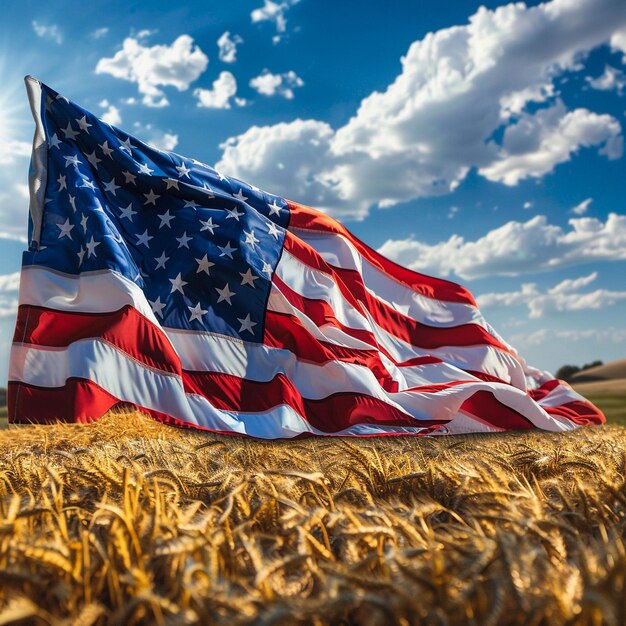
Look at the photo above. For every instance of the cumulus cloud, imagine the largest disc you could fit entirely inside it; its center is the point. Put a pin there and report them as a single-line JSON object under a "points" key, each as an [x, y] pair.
{"points": [[274, 12], [566, 296], [220, 95], [268, 84], [618, 41], [51, 32], [535, 144], [12, 150], [111, 113], [436, 120], [582, 207], [516, 248], [156, 137], [228, 47], [611, 79], [153, 67]]}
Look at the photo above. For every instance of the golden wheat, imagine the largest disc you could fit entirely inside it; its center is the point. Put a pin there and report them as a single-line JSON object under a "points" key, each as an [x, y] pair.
{"points": [[127, 521]]}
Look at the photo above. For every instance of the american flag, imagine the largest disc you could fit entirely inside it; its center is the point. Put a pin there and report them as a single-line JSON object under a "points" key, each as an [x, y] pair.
{"points": [[153, 280]]}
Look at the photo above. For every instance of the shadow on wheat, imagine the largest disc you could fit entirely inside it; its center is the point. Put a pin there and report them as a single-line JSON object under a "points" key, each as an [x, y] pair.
{"points": [[127, 521]]}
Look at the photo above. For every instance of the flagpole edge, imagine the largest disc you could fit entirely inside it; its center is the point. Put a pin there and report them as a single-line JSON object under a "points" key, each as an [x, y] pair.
{"points": [[38, 172]]}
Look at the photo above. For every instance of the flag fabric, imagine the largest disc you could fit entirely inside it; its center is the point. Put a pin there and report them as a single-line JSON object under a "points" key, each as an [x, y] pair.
{"points": [[153, 280]]}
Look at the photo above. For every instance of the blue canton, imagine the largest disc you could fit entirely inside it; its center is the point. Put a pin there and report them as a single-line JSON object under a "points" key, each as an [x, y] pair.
{"points": [[201, 246]]}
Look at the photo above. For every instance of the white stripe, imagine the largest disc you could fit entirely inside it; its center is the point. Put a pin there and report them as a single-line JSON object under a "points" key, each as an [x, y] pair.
{"points": [[561, 395], [339, 252], [131, 381], [90, 292]]}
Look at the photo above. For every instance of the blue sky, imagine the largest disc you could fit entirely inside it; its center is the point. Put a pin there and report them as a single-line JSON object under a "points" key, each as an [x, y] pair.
{"points": [[484, 145]]}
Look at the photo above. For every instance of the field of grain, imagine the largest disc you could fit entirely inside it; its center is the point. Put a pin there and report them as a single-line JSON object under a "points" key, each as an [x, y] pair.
{"points": [[127, 521]]}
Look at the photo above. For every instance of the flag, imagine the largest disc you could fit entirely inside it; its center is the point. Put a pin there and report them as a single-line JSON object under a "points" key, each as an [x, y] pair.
{"points": [[154, 281]]}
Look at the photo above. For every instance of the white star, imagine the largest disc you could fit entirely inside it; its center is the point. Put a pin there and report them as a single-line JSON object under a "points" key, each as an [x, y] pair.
{"points": [[239, 195], [208, 225], [83, 223], [221, 176], [91, 247], [111, 186], [54, 141], [144, 238], [197, 312], [71, 159], [61, 181], [151, 197], [183, 240], [65, 229], [227, 250], [144, 169], [73, 202], [248, 278], [183, 171], [161, 260], [191, 204], [129, 178], [165, 218], [273, 230], [233, 213], [105, 149], [128, 212], [157, 306], [83, 123], [126, 145], [250, 238], [225, 294], [203, 265], [246, 324], [267, 268], [69, 132], [93, 159], [88, 184], [177, 284], [208, 190], [170, 182], [81, 255], [274, 208]]}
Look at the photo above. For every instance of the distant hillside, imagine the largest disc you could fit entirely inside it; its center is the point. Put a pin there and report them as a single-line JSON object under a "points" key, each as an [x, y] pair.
{"points": [[609, 371], [3, 396]]}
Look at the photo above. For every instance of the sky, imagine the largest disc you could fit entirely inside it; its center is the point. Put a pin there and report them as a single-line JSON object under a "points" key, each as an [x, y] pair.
{"points": [[479, 142]]}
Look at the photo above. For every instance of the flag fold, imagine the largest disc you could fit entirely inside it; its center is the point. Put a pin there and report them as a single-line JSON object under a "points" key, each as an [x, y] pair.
{"points": [[153, 280]]}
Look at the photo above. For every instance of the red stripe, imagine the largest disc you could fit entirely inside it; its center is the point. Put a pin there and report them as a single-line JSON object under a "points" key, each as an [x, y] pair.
{"points": [[488, 409], [578, 411], [307, 218], [126, 329], [541, 392], [350, 283], [330, 414]]}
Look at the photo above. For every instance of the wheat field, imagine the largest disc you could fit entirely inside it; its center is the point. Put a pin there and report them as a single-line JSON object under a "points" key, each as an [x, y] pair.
{"points": [[127, 521]]}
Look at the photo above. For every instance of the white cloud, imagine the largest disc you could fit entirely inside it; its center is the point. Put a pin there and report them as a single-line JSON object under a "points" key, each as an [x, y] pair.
{"points": [[268, 84], [528, 205], [228, 47], [51, 32], [111, 114], [546, 336], [618, 42], [12, 150], [435, 122], [99, 33], [176, 65], [536, 143], [582, 207], [274, 12], [156, 137], [516, 248], [611, 79], [9, 286], [565, 296], [219, 96]]}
